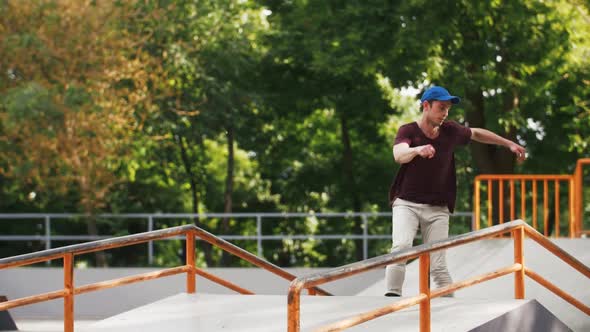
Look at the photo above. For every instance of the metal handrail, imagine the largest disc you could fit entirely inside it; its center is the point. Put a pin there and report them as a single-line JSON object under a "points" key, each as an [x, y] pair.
{"points": [[68, 254], [517, 227]]}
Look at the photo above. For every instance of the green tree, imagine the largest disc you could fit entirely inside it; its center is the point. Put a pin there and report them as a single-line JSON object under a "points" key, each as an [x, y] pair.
{"points": [[511, 61], [68, 101], [324, 67], [210, 52]]}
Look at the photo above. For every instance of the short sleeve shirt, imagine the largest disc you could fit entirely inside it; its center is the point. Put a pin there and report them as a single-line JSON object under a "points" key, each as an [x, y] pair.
{"points": [[429, 181]]}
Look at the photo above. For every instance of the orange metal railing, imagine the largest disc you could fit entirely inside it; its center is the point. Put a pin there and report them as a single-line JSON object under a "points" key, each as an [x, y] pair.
{"points": [[518, 228], [497, 186], [508, 183], [67, 254]]}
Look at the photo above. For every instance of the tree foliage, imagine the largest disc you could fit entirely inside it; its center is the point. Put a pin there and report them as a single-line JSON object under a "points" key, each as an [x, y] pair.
{"points": [[271, 105], [72, 96]]}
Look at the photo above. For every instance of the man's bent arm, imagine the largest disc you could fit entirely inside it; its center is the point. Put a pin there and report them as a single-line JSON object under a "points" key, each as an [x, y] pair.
{"points": [[403, 153]]}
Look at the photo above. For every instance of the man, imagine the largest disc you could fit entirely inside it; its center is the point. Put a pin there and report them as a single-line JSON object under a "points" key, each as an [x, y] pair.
{"points": [[423, 192]]}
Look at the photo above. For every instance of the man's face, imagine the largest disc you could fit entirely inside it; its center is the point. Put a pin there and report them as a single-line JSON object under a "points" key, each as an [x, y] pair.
{"points": [[437, 111]]}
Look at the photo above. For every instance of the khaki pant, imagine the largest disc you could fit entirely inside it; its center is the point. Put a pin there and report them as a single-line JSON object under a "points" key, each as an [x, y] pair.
{"points": [[434, 225]]}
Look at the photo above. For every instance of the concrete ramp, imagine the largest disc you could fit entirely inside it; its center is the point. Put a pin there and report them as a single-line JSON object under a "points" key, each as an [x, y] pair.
{"points": [[531, 316], [213, 312], [488, 255]]}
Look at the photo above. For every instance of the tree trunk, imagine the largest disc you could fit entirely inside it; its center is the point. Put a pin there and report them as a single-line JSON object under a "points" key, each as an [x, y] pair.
{"points": [[101, 257], [350, 180], [492, 159], [181, 141], [476, 119], [88, 204], [229, 188]]}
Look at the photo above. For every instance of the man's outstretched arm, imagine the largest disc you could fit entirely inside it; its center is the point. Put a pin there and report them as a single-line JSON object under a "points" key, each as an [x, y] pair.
{"points": [[485, 136]]}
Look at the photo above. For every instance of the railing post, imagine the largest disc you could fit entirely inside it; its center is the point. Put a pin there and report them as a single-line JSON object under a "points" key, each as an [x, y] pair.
{"points": [[535, 214], [47, 232], [578, 179], [259, 235], [523, 199], [518, 235], [151, 243], [545, 208], [69, 296], [293, 308], [572, 208], [425, 289], [557, 217], [501, 201], [190, 262], [512, 203], [47, 235], [490, 189], [476, 201], [365, 237]]}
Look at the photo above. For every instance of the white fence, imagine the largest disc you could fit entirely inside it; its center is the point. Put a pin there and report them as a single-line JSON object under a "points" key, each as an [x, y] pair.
{"points": [[150, 219]]}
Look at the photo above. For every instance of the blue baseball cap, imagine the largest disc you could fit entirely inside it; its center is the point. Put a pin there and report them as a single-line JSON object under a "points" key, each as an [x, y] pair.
{"points": [[439, 93]]}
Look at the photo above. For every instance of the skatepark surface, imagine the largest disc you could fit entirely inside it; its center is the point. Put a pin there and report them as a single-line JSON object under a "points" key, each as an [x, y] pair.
{"points": [[215, 310]]}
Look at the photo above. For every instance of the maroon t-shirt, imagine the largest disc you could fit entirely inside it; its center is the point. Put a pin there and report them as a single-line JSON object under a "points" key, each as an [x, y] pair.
{"points": [[429, 181]]}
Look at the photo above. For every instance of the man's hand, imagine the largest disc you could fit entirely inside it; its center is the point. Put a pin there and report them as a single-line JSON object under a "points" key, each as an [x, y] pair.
{"points": [[519, 151], [426, 151], [403, 153]]}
